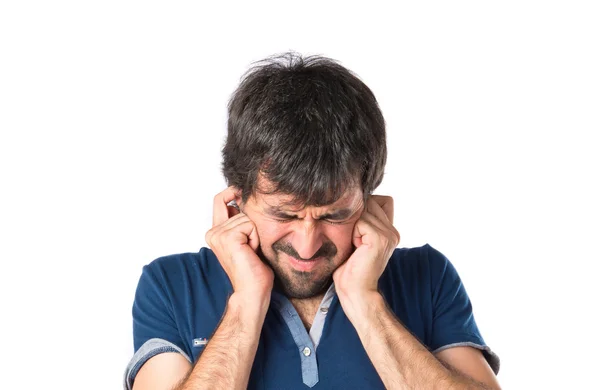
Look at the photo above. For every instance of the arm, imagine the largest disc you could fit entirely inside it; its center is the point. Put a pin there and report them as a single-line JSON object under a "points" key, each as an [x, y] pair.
{"points": [[225, 363], [163, 371], [228, 357], [400, 359], [227, 360], [403, 362]]}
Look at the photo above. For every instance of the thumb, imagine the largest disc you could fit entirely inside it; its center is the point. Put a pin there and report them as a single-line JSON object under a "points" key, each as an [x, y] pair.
{"points": [[253, 239], [357, 235]]}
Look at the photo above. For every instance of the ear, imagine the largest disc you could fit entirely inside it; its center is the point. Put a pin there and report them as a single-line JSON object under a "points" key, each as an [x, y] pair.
{"points": [[238, 197], [233, 207]]}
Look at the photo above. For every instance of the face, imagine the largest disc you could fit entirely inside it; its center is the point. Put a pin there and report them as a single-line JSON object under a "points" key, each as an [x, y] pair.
{"points": [[304, 245]]}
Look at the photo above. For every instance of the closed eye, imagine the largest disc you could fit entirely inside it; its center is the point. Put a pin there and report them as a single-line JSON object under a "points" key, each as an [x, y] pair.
{"points": [[321, 220], [284, 220]]}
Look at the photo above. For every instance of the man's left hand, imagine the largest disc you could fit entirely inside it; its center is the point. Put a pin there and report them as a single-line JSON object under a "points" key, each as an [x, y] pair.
{"points": [[375, 239]]}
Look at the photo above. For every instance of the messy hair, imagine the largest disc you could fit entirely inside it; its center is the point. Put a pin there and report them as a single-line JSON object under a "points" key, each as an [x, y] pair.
{"points": [[307, 125]]}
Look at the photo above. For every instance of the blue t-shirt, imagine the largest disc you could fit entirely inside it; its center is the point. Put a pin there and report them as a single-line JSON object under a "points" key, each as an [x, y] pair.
{"points": [[180, 300]]}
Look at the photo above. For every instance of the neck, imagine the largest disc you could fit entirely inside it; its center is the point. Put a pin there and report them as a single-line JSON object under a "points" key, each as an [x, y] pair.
{"points": [[316, 300], [307, 308]]}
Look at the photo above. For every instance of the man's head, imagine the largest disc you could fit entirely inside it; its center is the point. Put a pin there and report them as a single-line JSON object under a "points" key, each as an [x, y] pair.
{"points": [[305, 146]]}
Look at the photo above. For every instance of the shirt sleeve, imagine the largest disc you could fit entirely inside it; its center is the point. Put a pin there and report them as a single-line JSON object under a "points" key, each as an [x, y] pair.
{"points": [[453, 321], [154, 328]]}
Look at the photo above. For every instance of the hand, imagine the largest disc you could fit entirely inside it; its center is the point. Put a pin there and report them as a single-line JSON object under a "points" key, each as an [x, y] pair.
{"points": [[375, 239], [234, 240]]}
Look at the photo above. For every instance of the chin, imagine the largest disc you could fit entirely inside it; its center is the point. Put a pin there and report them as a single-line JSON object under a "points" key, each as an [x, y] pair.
{"points": [[297, 284], [302, 285]]}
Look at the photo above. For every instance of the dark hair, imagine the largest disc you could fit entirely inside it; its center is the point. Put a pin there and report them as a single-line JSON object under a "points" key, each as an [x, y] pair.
{"points": [[309, 126]]}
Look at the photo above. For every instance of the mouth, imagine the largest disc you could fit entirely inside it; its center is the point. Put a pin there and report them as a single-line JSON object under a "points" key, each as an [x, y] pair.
{"points": [[303, 265]]}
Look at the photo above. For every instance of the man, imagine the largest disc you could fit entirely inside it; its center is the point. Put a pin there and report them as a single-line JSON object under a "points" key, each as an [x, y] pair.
{"points": [[303, 286]]}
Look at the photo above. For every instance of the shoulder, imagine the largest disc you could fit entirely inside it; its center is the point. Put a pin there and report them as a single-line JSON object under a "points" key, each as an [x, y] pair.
{"points": [[417, 262], [412, 274], [185, 262], [179, 273]]}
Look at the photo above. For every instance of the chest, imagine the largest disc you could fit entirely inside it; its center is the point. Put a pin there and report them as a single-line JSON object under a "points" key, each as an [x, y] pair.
{"points": [[290, 357], [329, 355]]}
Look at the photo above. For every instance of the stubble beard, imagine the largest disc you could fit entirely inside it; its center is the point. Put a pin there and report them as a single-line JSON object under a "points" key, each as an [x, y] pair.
{"points": [[300, 284]]}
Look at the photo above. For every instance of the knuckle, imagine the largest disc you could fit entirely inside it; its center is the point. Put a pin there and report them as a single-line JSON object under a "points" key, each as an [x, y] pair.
{"points": [[396, 237], [223, 237]]}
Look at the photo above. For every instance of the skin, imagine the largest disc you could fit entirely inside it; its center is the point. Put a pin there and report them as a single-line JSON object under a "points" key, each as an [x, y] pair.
{"points": [[356, 253], [285, 231]]}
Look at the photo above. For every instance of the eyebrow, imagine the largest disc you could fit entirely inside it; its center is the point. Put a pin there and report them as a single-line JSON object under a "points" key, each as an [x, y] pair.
{"points": [[336, 215]]}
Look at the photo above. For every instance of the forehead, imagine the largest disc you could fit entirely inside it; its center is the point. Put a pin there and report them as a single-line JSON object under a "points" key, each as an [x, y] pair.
{"points": [[350, 199]]}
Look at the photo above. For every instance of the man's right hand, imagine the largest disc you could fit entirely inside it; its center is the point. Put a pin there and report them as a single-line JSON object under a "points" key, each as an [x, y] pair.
{"points": [[234, 240], [227, 359]]}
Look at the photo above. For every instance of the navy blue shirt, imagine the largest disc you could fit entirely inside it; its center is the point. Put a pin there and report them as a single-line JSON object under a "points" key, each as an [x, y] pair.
{"points": [[180, 300]]}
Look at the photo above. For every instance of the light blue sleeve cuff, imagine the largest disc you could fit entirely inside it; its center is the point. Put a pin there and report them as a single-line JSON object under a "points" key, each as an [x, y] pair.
{"points": [[492, 359], [148, 350]]}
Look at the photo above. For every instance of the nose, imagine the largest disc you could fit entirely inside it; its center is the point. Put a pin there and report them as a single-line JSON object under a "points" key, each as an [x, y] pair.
{"points": [[307, 239]]}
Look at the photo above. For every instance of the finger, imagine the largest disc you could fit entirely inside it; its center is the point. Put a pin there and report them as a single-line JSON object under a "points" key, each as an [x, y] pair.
{"points": [[220, 211], [221, 228], [382, 227], [361, 228], [383, 203], [246, 231], [369, 228], [253, 239], [239, 223], [376, 221], [239, 226], [234, 221]]}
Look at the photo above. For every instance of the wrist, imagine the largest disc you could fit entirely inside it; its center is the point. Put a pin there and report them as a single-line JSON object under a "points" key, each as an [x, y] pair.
{"points": [[361, 307], [250, 308]]}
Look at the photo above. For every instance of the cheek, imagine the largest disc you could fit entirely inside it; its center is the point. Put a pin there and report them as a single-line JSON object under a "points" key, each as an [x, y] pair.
{"points": [[270, 232], [341, 236]]}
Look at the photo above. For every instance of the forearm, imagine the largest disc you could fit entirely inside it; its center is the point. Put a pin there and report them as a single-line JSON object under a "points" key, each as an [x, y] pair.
{"points": [[400, 359], [227, 360]]}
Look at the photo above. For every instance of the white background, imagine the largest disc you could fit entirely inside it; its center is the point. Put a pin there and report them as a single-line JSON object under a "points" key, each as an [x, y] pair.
{"points": [[113, 114]]}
